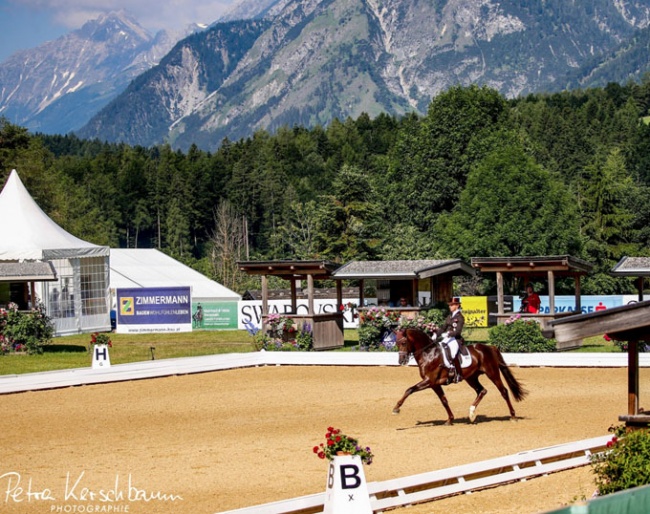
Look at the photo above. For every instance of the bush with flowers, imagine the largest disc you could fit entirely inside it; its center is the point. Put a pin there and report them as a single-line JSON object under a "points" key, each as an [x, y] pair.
{"points": [[625, 462], [24, 331], [336, 442], [520, 335], [100, 338], [294, 338], [375, 326], [280, 324]]}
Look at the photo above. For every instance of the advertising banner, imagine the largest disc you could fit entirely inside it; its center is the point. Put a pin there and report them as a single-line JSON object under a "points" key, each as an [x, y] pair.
{"points": [[475, 310], [155, 309], [208, 315]]}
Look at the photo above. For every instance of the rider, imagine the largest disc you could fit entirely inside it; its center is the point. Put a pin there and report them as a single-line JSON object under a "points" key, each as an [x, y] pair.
{"points": [[450, 331]]}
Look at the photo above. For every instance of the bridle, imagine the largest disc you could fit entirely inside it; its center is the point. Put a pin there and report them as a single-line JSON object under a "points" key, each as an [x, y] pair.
{"points": [[421, 350]]}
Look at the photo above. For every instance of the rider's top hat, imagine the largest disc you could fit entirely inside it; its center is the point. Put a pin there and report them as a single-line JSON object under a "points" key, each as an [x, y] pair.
{"points": [[454, 300]]}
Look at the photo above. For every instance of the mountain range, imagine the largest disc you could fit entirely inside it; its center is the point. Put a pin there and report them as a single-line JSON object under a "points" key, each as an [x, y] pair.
{"points": [[271, 63], [58, 86]]}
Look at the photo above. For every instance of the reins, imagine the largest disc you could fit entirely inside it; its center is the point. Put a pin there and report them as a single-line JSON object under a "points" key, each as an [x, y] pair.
{"points": [[421, 350]]}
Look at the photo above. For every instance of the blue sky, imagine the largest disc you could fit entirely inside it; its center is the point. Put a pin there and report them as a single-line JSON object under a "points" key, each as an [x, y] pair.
{"points": [[28, 23]]}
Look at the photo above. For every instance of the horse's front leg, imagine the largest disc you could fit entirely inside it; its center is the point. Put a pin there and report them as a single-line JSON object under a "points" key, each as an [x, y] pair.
{"points": [[443, 399], [420, 386]]}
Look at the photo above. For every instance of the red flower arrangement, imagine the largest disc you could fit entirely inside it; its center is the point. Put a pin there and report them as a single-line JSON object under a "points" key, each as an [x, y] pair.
{"points": [[97, 338], [336, 442]]}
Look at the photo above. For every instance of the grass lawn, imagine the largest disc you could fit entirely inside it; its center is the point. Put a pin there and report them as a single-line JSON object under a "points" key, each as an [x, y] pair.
{"points": [[72, 351]]}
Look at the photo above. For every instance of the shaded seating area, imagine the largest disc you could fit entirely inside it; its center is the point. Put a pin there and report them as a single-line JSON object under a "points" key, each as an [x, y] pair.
{"points": [[421, 282], [327, 328], [544, 268]]}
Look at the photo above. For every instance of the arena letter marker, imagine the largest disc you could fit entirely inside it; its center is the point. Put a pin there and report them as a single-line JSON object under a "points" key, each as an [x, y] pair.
{"points": [[101, 360], [347, 492]]}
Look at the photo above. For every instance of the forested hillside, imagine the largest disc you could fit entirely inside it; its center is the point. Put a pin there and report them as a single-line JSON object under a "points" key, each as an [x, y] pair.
{"points": [[478, 175]]}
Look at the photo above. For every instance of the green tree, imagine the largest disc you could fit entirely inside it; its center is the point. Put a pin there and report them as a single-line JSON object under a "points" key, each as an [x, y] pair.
{"points": [[510, 206]]}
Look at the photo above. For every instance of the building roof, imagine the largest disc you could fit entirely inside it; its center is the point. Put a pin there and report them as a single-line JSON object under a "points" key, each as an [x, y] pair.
{"points": [[32, 234], [27, 272], [632, 266], [285, 294], [561, 264], [401, 270], [148, 267], [319, 270]]}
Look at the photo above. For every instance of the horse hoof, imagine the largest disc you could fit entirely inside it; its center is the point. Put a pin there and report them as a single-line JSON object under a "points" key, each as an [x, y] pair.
{"points": [[395, 411], [449, 422], [472, 414], [514, 418]]}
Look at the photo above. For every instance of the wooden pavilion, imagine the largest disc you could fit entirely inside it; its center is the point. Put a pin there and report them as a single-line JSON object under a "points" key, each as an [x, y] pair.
{"points": [[327, 327], [397, 279], [547, 268], [638, 267], [630, 323]]}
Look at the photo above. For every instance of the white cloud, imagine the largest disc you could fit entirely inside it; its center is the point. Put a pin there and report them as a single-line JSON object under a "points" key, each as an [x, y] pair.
{"points": [[151, 14]]}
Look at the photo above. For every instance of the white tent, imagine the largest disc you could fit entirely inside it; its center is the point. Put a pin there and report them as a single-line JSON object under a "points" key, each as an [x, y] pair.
{"points": [[148, 267], [78, 300]]}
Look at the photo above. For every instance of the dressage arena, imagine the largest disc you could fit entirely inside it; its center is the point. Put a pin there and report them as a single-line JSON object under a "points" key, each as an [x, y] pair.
{"points": [[211, 442]]}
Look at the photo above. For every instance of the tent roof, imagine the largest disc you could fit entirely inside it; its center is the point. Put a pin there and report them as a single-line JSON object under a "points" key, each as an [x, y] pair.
{"points": [[31, 234], [148, 267]]}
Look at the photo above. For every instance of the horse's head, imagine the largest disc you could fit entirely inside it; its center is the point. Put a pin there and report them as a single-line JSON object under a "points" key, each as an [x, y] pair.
{"points": [[404, 346]]}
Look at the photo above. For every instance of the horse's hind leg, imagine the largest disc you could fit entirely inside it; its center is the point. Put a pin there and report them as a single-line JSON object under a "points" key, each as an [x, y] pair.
{"points": [[480, 393], [495, 376], [420, 386]]}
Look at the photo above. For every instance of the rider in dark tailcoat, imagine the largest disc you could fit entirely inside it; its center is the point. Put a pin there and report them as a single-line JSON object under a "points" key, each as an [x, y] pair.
{"points": [[453, 327]]}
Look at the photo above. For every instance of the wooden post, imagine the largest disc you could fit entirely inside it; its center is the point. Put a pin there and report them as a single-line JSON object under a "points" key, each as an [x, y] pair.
{"points": [[551, 292], [339, 294], [431, 291], [362, 297], [294, 295], [499, 292], [639, 286], [578, 294], [265, 295], [633, 378], [414, 293], [310, 294]]}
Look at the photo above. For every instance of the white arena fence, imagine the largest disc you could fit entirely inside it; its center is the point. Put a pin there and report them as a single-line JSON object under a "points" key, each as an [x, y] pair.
{"points": [[434, 485], [189, 365]]}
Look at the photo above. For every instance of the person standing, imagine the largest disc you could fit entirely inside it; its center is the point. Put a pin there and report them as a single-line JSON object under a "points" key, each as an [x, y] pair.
{"points": [[532, 302], [451, 331]]}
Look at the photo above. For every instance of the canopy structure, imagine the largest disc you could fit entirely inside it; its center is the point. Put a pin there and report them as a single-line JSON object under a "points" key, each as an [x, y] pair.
{"points": [[77, 301], [397, 279], [148, 267], [638, 267], [629, 323], [327, 329], [547, 267]]}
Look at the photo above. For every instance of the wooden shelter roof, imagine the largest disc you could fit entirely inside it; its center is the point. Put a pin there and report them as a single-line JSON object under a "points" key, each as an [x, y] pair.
{"points": [[39, 271], [320, 270], [632, 267], [623, 323], [560, 264], [401, 270]]}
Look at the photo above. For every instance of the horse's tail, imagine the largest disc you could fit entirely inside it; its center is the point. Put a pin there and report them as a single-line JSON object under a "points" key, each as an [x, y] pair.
{"points": [[517, 390]]}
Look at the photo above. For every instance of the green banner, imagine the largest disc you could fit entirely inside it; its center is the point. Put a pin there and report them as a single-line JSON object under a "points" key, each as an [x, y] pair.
{"points": [[214, 315]]}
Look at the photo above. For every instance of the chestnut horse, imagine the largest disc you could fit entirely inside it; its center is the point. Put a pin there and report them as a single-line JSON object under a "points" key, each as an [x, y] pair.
{"points": [[486, 359]]}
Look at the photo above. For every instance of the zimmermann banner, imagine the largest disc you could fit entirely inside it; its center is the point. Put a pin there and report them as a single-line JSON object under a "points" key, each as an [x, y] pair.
{"points": [[155, 309]]}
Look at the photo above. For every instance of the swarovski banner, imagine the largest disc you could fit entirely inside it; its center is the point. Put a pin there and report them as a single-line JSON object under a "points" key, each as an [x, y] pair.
{"points": [[154, 309]]}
